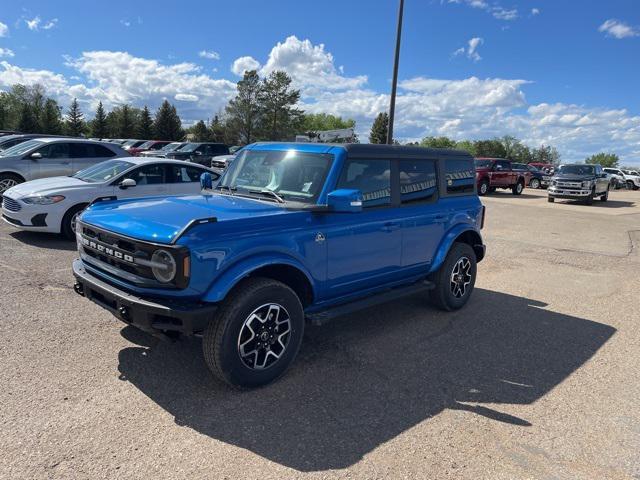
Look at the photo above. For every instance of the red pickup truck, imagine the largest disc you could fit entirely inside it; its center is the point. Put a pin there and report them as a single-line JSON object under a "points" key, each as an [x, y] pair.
{"points": [[493, 173]]}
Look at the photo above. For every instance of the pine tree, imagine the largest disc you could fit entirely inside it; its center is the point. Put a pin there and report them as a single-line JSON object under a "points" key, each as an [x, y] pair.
{"points": [[51, 118], [167, 124], [379, 128], [74, 123], [99, 123], [145, 124], [244, 110], [217, 131], [200, 132], [27, 120], [279, 119], [126, 123]]}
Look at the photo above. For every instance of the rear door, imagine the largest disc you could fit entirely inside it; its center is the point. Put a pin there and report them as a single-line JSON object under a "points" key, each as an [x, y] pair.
{"points": [[55, 161], [185, 179]]}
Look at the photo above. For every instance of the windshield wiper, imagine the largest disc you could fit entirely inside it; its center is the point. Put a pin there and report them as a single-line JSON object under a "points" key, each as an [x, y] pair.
{"points": [[278, 198]]}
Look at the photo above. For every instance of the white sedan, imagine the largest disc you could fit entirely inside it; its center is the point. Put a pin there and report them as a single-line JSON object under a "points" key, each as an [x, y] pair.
{"points": [[53, 204]]}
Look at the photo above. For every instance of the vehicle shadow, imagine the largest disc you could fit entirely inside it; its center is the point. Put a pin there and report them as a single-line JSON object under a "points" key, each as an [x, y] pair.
{"points": [[360, 382], [600, 204], [51, 241]]}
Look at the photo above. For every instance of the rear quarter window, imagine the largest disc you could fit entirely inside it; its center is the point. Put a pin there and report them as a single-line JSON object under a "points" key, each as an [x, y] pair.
{"points": [[460, 175]]}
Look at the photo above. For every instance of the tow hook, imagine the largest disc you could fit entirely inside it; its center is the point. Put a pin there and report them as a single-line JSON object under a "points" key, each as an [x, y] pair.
{"points": [[78, 289]]}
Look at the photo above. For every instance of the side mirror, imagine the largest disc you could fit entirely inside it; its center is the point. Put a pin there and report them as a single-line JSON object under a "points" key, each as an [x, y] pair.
{"points": [[127, 183], [345, 201], [206, 181], [35, 156]]}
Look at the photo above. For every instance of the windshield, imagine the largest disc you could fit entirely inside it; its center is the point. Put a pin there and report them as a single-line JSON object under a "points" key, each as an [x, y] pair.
{"points": [[170, 147], [21, 148], [293, 175], [577, 170], [188, 147], [103, 172], [483, 163], [147, 145]]}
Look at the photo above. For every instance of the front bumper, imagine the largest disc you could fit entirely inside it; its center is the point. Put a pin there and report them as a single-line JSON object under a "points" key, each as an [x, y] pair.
{"points": [[567, 193], [153, 315]]}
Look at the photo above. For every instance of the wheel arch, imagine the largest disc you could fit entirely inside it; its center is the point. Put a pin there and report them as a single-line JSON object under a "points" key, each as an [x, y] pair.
{"points": [[463, 234], [72, 207], [15, 174], [282, 269]]}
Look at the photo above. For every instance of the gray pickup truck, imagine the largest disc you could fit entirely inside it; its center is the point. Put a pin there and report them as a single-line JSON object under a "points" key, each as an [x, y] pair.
{"points": [[579, 182]]}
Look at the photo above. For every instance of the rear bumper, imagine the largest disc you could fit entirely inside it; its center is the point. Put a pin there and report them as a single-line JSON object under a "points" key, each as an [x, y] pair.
{"points": [[153, 315]]}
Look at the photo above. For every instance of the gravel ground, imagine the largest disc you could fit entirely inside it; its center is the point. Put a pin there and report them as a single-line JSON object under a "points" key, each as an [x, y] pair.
{"points": [[535, 379]]}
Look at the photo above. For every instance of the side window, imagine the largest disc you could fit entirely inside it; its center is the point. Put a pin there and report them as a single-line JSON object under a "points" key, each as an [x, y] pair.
{"points": [[203, 149], [503, 165], [103, 152], [418, 180], [81, 150], [460, 176], [56, 150], [371, 177], [149, 175], [186, 174]]}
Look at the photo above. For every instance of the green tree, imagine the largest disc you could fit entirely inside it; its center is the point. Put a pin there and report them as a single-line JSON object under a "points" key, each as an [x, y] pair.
{"points": [[145, 125], [74, 121], [126, 124], [313, 122], [199, 132], [51, 118], [605, 159], [99, 126], [218, 130], [280, 118], [28, 121], [244, 110], [546, 154], [437, 142], [466, 145], [490, 148], [379, 128], [167, 124]]}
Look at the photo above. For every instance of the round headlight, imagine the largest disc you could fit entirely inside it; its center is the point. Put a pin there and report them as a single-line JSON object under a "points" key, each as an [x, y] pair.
{"points": [[163, 266]]}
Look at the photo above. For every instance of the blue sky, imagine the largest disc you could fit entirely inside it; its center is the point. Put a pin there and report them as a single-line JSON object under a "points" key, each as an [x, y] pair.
{"points": [[557, 72]]}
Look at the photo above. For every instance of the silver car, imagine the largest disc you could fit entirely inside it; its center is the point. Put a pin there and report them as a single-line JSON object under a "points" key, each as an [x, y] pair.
{"points": [[52, 157]]}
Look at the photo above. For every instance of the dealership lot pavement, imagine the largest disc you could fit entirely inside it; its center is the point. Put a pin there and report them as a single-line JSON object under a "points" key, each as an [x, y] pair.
{"points": [[536, 378]]}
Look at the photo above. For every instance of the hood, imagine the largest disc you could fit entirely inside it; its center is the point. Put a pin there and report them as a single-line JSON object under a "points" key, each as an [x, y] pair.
{"points": [[46, 186], [573, 177], [160, 219]]}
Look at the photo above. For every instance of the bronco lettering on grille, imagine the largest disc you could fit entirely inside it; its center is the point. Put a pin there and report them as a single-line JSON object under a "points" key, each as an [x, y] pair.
{"points": [[107, 250]]}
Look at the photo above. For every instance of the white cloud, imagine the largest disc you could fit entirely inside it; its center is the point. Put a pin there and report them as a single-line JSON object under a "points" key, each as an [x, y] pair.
{"points": [[494, 9], [4, 29], [34, 23], [6, 52], [186, 97], [472, 50], [50, 24], [209, 54], [125, 22], [244, 64], [618, 29], [535, 11]]}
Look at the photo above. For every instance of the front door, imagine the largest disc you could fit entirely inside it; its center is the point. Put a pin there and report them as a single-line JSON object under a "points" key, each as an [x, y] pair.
{"points": [[151, 180], [364, 249], [55, 161]]}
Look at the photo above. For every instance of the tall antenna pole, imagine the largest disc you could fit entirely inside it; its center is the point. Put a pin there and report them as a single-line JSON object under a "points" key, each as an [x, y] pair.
{"points": [[394, 83]]}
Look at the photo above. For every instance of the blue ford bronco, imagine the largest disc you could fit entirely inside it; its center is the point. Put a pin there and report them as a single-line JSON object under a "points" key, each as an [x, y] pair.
{"points": [[292, 233]]}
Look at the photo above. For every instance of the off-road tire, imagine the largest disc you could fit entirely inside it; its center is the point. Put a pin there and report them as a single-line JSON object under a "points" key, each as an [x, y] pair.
{"points": [[220, 343], [66, 226], [518, 188], [442, 295], [483, 188]]}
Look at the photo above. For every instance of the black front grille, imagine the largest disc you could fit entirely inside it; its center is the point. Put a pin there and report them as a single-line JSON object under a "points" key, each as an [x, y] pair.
{"points": [[10, 204]]}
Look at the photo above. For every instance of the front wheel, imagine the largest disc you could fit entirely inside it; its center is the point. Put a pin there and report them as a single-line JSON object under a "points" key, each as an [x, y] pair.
{"points": [[605, 196], [455, 279], [589, 199], [518, 188], [551, 199], [483, 188], [68, 226], [534, 183], [256, 334], [8, 180]]}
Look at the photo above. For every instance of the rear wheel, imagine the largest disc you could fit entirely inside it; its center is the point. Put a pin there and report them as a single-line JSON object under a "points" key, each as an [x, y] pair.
{"points": [[256, 334], [534, 183], [8, 180], [455, 279], [483, 188]]}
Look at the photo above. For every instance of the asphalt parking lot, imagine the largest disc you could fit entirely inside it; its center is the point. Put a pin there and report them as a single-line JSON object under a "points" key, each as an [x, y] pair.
{"points": [[536, 378]]}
